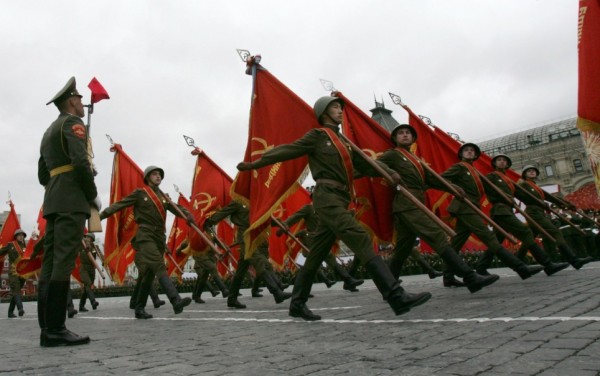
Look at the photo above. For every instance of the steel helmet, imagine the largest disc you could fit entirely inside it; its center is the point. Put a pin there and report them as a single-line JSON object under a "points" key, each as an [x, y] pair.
{"points": [[477, 150], [509, 161], [322, 103], [149, 169], [412, 130], [529, 167], [19, 231], [90, 235]]}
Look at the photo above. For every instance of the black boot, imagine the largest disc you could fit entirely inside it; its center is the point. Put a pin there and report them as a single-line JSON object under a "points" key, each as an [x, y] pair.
{"points": [[92, 298], [70, 307], [350, 283], [219, 282], [236, 283], [575, 261], [484, 263], [19, 302], [457, 265], [450, 281], [431, 272], [171, 292], [399, 300], [543, 259], [213, 290], [525, 271], [300, 293], [324, 278], [11, 308], [144, 287], [41, 304], [156, 301], [56, 333], [82, 301], [199, 287], [135, 293], [273, 287], [256, 290]]}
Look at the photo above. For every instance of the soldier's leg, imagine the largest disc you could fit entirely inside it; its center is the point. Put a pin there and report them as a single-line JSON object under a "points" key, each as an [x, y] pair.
{"points": [[82, 300], [156, 301], [144, 284], [199, 286], [350, 283], [265, 272], [236, 283], [11, 308], [430, 270], [564, 249], [405, 241], [71, 311]]}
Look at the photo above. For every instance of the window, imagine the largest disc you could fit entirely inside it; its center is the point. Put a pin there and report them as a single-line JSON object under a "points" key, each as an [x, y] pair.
{"points": [[578, 165], [549, 171]]}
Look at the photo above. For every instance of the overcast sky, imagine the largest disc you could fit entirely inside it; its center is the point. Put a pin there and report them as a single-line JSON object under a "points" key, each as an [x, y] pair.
{"points": [[479, 68]]}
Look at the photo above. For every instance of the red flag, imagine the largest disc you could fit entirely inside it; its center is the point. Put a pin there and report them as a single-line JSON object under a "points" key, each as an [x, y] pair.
{"points": [[179, 232], [26, 267], [588, 106], [282, 246], [11, 224], [98, 91], [226, 232], [120, 227], [277, 116]]}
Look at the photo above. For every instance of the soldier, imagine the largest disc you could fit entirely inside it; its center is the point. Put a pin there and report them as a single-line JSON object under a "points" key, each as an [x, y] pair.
{"points": [[239, 215], [502, 213], [15, 250], [65, 171], [149, 212], [311, 222], [87, 271], [332, 163], [410, 222], [465, 176], [537, 212]]}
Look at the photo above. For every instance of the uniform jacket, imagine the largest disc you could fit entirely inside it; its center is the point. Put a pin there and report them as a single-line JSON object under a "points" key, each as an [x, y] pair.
{"points": [[459, 175]]}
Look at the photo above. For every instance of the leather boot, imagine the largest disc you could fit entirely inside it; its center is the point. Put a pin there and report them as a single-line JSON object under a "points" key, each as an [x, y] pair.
{"points": [[199, 287], [221, 286], [431, 272], [543, 259], [82, 300], [457, 265], [156, 301], [523, 270], [70, 307], [273, 287], [450, 280], [213, 290], [256, 290], [143, 292], [328, 282], [56, 333], [135, 293], [300, 293], [399, 300], [575, 261], [11, 308], [171, 292], [350, 283], [19, 302], [41, 304], [485, 261], [236, 283], [92, 298]]}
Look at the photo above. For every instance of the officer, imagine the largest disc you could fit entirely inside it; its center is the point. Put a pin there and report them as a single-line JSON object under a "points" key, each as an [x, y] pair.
{"points": [[15, 250], [537, 212], [332, 162], [239, 215], [149, 212], [87, 271], [502, 213], [410, 221], [65, 171], [465, 176], [310, 217]]}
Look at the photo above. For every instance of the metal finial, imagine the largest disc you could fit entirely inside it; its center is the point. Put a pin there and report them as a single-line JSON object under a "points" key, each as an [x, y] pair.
{"points": [[396, 99], [327, 85], [244, 54], [190, 141], [176, 187], [425, 119], [110, 140]]}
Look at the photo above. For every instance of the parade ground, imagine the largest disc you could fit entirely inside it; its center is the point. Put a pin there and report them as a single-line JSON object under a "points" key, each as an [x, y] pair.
{"points": [[541, 326]]}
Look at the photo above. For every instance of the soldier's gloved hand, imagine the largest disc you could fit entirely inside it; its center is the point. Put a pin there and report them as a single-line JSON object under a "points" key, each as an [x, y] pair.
{"points": [[279, 232], [190, 219], [244, 166], [207, 225], [97, 203], [396, 179]]}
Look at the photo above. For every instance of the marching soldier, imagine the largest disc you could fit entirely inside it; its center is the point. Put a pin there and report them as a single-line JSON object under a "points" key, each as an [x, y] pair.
{"points": [[87, 271], [537, 212], [311, 221], [65, 171], [239, 215], [149, 211], [465, 176], [410, 222], [332, 165], [502, 213], [15, 250]]}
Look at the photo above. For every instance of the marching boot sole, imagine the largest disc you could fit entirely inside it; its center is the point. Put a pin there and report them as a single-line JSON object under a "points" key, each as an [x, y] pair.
{"points": [[407, 307], [556, 268], [55, 340], [178, 308], [282, 297], [307, 316], [489, 281], [531, 271]]}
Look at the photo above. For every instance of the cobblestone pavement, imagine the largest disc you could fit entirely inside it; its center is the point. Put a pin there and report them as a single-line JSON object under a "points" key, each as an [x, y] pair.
{"points": [[541, 326]]}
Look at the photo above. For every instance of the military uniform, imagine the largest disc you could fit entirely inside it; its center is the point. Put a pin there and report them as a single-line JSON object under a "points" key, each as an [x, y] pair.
{"points": [[15, 251], [87, 271], [205, 267], [150, 242], [502, 213], [66, 174], [332, 164], [311, 221], [538, 214], [239, 215]]}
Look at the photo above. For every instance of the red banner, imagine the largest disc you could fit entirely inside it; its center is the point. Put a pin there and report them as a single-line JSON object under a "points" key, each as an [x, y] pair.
{"points": [[98, 91], [226, 232], [120, 227], [11, 224], [179, 232], [26, 267], [277, 116]]}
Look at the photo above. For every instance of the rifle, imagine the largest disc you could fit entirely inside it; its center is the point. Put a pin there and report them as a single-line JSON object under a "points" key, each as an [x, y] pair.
{"points": [[400, 188], [512, 203]]}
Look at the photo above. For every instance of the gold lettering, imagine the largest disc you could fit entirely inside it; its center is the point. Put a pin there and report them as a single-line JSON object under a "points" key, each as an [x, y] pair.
{"points": [[582, 12], [272, 173]]}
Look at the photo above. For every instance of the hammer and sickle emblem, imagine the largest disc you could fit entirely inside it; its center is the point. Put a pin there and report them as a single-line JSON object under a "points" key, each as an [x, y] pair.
{"points": [[278, 213], [371, 153], [204, 203], [266, 147]]}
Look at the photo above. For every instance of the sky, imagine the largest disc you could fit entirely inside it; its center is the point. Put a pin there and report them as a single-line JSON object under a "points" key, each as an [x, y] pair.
{"points": [[478, 68]]}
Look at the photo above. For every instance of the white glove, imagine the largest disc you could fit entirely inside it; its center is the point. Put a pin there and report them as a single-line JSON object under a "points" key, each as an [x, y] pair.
{"points": [[97, 203]]}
